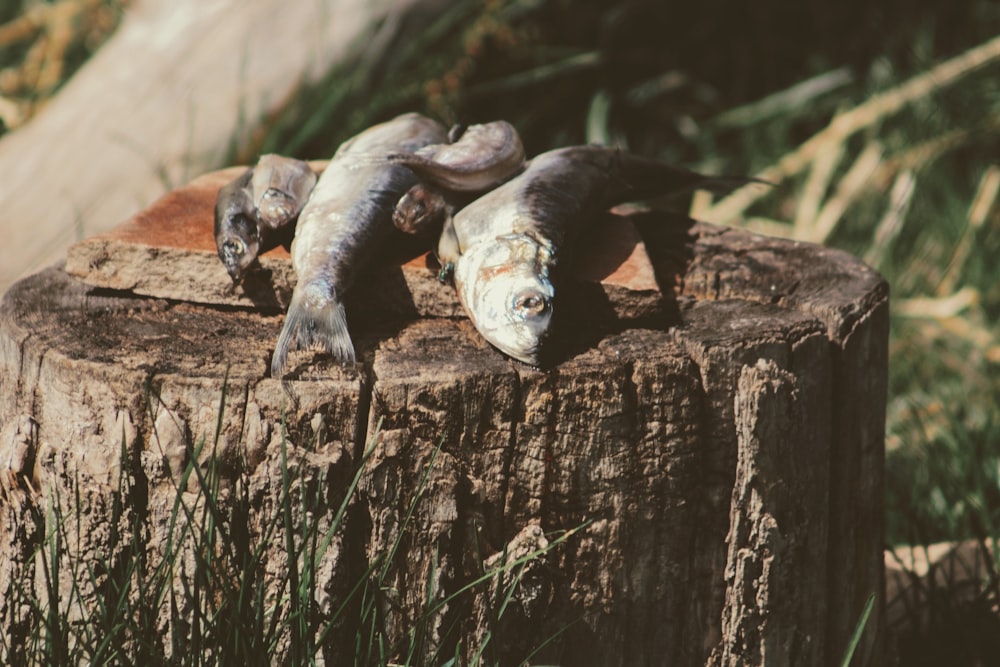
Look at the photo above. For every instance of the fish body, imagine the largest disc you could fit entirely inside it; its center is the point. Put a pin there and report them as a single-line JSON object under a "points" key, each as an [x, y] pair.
{"points": [[348, 215], [262, 200], [482, 157], [281, 188], [237, 237], [506, 248], [476, 159]]}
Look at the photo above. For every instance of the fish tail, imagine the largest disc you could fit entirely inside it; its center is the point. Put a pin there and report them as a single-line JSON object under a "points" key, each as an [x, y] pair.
{"points": [[313, 320], [640, 177]]}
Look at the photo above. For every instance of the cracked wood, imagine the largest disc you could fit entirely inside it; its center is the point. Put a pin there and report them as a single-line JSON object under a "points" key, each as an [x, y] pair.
{"points": [[720, 462]]}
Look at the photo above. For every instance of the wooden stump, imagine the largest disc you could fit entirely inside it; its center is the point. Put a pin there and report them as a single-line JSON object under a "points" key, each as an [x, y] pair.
{"points": [[717, 456]]}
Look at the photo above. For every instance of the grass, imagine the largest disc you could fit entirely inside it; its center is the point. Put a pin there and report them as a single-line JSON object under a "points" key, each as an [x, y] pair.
{"points": [[42, 44], [207, 595], [884, 144], [881, 123]]}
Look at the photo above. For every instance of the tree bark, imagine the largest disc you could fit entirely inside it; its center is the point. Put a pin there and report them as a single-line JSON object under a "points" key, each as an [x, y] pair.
{"points": [[716, 463]]}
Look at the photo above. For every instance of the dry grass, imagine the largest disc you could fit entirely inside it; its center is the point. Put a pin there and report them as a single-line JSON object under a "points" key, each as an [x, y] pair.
{"points": [[42, 44]]}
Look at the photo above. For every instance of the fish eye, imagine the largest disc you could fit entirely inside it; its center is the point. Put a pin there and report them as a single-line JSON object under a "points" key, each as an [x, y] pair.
{"points": [[234, 247], [531, 304]]}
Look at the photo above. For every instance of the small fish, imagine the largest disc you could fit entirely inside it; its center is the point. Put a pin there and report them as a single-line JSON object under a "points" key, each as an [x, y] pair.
{"points": [[348, 215], [477, 158], [507, 247], [249, 211], [421, 209], [237, 237], [281, 187]]}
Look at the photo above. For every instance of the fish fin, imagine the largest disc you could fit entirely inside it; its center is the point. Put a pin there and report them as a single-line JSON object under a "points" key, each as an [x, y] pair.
{"points": [[446, 274], [448, 251], [313, 321], [456, 132], [449, 247]]}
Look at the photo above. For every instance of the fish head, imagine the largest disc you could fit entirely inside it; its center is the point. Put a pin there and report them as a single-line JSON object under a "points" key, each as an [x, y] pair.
{"points": [[506, 289], [280, 187], [420, 209], [237, 237], [276, 208]]}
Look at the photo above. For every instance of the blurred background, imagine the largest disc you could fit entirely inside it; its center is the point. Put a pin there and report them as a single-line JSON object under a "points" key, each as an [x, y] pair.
{"points": [[880, 123]]}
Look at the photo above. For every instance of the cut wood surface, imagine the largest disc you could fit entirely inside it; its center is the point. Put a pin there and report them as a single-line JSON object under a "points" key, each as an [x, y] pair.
{"points": [[168, 251], [720, 460], [177, 86]]}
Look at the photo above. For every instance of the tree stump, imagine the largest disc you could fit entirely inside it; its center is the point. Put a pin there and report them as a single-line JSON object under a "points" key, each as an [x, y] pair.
{"points": [[699, 481]]}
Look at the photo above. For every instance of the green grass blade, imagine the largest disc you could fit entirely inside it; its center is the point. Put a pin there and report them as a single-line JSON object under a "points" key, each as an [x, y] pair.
{"points": [[859, 630]]}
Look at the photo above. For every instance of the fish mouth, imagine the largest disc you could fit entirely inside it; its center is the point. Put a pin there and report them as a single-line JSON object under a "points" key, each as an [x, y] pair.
{"points": [[238, 277], [508, 298], [232, 264], [538, 356], [237, 272], [241, 272], [532, 350]]}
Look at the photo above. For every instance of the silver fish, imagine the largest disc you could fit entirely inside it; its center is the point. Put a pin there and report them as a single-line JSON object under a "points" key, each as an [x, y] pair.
{"points": [[263, 200], [477, 158], [347, 216], [482, 157], [507, 247]]}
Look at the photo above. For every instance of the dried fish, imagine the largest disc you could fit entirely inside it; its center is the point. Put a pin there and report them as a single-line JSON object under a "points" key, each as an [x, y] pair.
{"points": [[506, 248], [348, 215]]}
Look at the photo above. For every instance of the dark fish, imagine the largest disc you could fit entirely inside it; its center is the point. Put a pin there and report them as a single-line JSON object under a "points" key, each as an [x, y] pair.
{"points": [[237, 237], [347, 216], [507, 246], [260, 202]]}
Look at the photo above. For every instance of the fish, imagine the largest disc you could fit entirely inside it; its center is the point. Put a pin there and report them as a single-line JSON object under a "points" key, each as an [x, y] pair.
{"points": [[347, 217], [508, 249], [476, 159], [281, 187], [237, 238], [253, 208], [421, 209]]}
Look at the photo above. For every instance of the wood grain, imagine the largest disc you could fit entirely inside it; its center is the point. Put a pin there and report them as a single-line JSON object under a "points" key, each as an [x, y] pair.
{"points": [[721, 462]]}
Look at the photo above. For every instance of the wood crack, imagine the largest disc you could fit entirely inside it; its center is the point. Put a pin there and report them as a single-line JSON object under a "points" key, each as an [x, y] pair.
{"points": [[642, 435]]}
